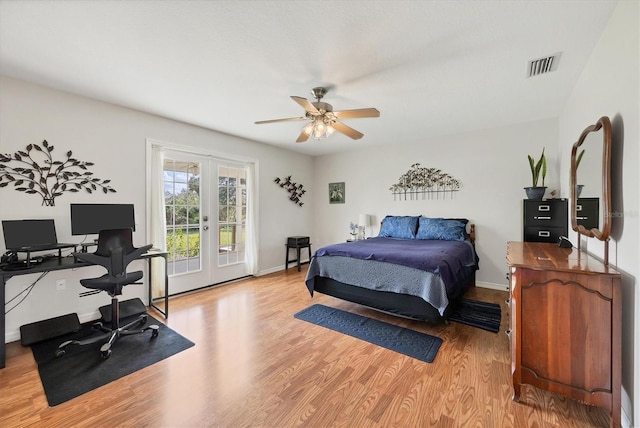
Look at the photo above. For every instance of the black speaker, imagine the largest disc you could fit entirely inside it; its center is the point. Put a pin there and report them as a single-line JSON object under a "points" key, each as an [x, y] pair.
{"points": [[9, 258]]}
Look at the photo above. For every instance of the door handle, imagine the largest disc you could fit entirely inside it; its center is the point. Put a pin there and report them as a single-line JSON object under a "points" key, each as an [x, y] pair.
{"points": [[205, 227]]}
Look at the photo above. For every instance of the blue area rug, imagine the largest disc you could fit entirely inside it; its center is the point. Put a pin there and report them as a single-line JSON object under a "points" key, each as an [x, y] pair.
{"points": [[478, 314], [412, 343]]}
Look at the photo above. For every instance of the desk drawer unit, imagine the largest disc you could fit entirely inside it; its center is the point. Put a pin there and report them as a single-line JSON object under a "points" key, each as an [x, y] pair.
{"points": [[587, 212], [545, 220]]}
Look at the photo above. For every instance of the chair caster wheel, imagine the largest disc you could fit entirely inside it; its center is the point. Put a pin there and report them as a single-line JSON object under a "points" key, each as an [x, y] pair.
{"points": [[154, 330], [105, 354], [59, 353]]}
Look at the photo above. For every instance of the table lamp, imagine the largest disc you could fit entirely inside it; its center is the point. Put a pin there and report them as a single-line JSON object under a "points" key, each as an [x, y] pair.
{"points": [[364, 220]]}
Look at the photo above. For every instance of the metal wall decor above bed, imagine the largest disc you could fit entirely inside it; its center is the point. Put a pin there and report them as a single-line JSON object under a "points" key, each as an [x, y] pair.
{"points": [[424, 183]]}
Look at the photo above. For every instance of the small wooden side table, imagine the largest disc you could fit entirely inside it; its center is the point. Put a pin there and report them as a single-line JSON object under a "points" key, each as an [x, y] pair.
{"points": [[296, 243]]}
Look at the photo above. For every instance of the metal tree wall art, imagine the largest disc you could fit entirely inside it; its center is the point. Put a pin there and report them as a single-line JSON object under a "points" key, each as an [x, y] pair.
{"points": [[295, 190], [427, 182], [34, 171]]}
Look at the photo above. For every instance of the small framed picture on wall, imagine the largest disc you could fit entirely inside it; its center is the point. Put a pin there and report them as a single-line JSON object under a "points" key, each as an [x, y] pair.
{"points": [[336, 193]]}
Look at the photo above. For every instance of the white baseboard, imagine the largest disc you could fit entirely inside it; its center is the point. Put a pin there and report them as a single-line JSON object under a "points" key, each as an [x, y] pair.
{"points": [[492, 286], [279, 268], [12, 336], [271, 270]]}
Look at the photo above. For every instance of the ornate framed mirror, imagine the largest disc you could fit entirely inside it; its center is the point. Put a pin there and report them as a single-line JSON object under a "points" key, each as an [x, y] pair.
{"points": [[591, 182]]}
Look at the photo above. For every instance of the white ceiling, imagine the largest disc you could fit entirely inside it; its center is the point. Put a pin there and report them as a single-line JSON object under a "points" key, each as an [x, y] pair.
{"points": [[430, 67]]}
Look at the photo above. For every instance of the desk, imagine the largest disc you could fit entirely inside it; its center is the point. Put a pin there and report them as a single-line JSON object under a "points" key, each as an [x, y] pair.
{"points": [[70, 262]]}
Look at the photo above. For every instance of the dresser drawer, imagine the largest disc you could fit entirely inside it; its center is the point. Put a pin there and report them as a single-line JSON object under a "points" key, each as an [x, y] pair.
{"points": [[544, 234]]}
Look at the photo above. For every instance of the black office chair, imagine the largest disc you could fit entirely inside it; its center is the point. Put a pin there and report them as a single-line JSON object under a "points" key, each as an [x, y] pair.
{"points": [[115, 252]]}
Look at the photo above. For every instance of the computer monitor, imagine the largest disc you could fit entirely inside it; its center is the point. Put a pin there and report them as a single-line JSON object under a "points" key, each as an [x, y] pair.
{"points": [[88, 219], [24, 234]]}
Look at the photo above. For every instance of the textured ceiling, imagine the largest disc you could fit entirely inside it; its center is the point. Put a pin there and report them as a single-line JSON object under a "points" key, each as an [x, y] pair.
{"points": [[430, 67]]}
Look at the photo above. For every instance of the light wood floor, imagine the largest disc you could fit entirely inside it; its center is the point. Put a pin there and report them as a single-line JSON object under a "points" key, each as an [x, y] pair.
{"points": [[254, 365]]}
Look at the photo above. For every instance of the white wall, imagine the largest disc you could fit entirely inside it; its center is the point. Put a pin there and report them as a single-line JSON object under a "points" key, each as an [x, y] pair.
{"points": [[609, 86], [492, 165], [114, 139]]}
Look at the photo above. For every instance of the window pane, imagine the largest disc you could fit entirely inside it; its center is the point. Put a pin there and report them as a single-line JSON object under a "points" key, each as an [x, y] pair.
{"points": [[181, 177], [222, 196], [168, 210], [168, 188], [171, 240], [193, 264], [194, 215], [180, 214], [180, 188], [223, 173], [222, 259], [193, 243], [194, 185], [225, 236]]}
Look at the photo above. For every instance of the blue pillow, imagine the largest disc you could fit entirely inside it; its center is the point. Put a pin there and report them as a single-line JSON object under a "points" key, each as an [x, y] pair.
{"points": [[441, 229], [404, 227]]}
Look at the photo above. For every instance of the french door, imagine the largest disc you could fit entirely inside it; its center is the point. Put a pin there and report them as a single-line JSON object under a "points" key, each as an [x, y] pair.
{"points": [[205, 202]]}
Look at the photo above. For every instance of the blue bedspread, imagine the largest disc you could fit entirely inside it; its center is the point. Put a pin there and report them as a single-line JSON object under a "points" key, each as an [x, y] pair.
{"points": [[449, 259]]}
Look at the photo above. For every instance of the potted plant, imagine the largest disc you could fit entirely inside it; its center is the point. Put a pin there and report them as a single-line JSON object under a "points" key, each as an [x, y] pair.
{"points": [[537, 169]]}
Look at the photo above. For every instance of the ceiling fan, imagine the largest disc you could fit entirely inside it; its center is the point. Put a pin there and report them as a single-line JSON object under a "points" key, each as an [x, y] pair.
{"points": [[324, 121]]}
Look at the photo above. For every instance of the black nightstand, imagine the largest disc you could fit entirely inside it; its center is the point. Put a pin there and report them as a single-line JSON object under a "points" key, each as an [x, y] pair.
{"points": [[296, 243]]}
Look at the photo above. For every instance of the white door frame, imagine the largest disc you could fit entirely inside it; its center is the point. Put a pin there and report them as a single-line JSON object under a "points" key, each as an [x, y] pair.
{"points": [[200, 152]]}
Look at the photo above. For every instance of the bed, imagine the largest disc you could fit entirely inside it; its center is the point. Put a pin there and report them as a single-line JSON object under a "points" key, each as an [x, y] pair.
{"points": [[417, 267]]}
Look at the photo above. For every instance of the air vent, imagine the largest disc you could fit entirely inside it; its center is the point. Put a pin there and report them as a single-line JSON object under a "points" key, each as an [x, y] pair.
{"points": [[543, 65]]}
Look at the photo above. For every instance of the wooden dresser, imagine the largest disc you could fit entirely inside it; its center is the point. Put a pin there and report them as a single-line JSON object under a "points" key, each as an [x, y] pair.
{"points": [[565, 324]]}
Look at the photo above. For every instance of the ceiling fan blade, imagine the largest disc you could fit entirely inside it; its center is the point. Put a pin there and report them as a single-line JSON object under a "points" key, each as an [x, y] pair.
{"points": [[288, 119], [306, 104], [302, 137], [360, 112], [349, 132]]}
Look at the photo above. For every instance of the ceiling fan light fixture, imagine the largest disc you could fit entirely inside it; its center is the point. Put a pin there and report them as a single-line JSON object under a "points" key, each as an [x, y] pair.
{"points": [[308, 128], [324, 121], [330, 129], [319, 128]]}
